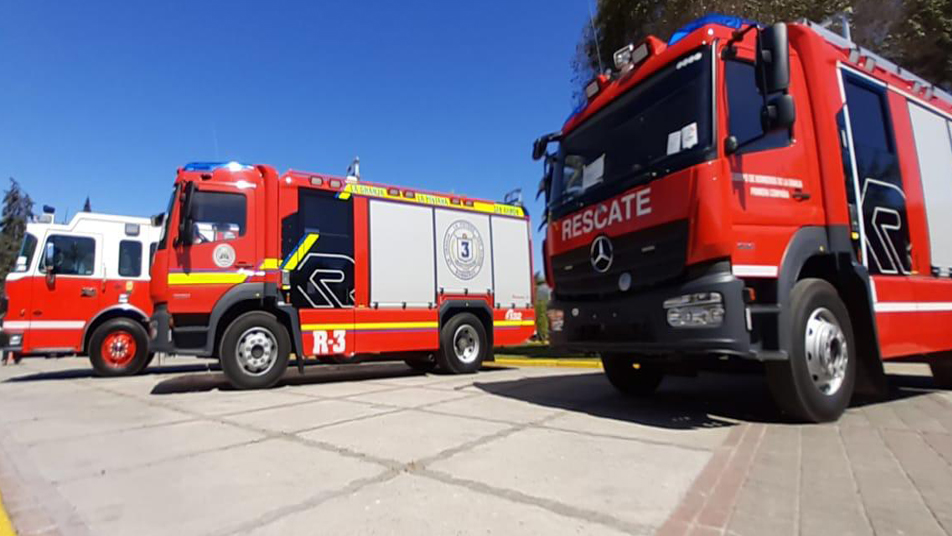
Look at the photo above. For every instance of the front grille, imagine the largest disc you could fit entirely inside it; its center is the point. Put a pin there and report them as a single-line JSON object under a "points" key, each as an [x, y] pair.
{"points": [[650, 256]]}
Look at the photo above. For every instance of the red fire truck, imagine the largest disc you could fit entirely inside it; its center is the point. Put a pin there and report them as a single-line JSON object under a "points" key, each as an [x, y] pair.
{"points": [[82, 287], [255, 266], [774, 194]]}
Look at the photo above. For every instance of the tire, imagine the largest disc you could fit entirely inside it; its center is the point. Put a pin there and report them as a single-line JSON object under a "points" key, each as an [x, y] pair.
{"points": [[942, 372], [815, 384], [463, 345], [254, 351], [623, 375], [119, 347], [424, 363]]}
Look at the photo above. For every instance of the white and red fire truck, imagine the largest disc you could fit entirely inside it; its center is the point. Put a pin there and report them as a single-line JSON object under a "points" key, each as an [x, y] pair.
{"points": [[254, 266], [82, 287], [774, 194]]}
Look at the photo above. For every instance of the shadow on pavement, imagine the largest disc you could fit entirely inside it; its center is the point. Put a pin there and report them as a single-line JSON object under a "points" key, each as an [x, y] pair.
{"points": [[709, 400], [313, 375], [81, 373]]}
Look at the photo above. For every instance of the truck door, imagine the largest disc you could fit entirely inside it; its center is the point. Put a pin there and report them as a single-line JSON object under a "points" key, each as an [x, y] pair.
{"points": [[774, 176], [65, 300], [223, 251], [317, 246], [878, 202]]}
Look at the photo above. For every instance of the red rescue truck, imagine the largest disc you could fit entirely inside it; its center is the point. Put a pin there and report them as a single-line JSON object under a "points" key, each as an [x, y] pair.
{"points": [[254, 266], [82, 287], [774, 194]]}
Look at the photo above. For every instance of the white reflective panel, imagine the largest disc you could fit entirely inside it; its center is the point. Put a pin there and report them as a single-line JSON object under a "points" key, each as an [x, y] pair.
{"points": [[934, 149], [401, 254], [511, 262], [463, 252]]}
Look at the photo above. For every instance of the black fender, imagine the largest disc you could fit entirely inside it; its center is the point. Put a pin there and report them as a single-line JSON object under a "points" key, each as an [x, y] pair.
{"points": [[263, 294], [832, 248]]}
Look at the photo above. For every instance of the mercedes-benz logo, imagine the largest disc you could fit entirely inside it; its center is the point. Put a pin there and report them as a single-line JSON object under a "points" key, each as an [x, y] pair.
{"points": [[602, 254]]}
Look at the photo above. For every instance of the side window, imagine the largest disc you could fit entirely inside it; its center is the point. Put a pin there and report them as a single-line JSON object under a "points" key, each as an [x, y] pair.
{"points": [[888, 249], [72, 255], [152, 248], [218, 216], [130, 258], [27, 249], [744, 103], [319, 241]]}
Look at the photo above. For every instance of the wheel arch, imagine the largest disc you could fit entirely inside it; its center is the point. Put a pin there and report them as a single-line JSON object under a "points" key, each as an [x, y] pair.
{"points": [[116, 311], [248, 297], [826, 253], [478, 308]]}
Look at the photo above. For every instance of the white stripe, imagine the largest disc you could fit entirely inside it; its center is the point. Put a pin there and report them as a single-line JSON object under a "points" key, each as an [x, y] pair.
{"points": [[45, 324], [912, 307], [754, 270]]}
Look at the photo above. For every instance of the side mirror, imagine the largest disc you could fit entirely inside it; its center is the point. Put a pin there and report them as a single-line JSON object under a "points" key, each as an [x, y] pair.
{"points": [[773, 59], [778, 114], [49, 256], [21, 264], [158, 220], [542, 143], [185, 234]]}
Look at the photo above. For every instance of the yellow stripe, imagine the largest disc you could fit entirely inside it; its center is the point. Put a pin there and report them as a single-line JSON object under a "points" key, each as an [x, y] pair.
{"points": [[381, 192], [343, 196], [301, 251], [207, 278], [570, 363], [270, 264], [6, 527], [371, 326], [511, 323]]}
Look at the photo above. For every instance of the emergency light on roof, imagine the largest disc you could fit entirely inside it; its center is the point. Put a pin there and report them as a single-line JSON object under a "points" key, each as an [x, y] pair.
{"points": [[728, 21], [630, 55], [595, 86], [212, 166]]}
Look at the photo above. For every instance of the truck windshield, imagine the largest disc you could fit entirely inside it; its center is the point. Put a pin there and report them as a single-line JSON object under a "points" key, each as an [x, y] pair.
{"points": [[663, 124], [25, 257]]}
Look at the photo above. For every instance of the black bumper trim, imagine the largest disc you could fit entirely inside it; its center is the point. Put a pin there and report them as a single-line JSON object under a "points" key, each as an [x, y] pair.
{"points": [[637, 322]]}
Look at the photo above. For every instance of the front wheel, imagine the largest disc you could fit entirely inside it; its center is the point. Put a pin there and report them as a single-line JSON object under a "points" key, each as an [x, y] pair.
{"points": [[119, 347], [463, 345], [630, 376], [815, 383], [254, 351]]}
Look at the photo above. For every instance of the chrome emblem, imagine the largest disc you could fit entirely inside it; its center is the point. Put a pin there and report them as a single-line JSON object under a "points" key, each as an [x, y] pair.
{"points": [[602, 254]]}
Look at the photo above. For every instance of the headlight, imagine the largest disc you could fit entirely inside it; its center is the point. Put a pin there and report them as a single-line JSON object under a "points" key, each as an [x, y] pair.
{"points": [[16, 339], [699, 310]]}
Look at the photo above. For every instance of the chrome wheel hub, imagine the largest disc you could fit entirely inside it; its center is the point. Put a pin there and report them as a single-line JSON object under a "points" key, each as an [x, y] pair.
{"points": [[466, 344], [827, 351], [257, 351]]}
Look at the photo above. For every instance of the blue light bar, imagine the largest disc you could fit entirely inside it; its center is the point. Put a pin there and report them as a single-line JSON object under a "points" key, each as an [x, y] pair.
{"points": [[212, 166], [711, 18]]}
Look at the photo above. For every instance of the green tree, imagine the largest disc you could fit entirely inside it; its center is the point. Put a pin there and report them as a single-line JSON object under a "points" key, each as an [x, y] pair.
{"points": [[916, 34], [17, 211]]}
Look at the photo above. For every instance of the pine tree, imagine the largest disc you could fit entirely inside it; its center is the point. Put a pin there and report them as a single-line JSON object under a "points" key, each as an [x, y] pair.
{"points": [[17, 211]]}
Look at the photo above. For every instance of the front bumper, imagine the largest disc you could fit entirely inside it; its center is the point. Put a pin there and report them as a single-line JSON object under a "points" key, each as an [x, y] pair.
{"points": [[11, 341], [637, 322]]}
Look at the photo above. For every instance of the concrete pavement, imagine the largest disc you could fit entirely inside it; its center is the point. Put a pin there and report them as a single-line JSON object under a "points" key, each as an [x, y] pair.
{"points": [[379, 449]]}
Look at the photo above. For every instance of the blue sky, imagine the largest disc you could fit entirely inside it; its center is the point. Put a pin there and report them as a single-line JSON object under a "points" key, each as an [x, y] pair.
{"points": [[107, 99]]}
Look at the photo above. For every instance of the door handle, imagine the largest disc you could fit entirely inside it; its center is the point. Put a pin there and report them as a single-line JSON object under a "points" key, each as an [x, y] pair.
{"points": [[800, 195], [87, 292]]}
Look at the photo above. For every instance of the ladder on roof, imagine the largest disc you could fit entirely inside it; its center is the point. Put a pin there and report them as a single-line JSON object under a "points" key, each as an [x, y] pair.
{"points": [[874, 60]]}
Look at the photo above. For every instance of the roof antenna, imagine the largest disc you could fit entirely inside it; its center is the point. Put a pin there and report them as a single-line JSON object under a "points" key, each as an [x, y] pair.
{"points": [[598, 51], [353, 170]]}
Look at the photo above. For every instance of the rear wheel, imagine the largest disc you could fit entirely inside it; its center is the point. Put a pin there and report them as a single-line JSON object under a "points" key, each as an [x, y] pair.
{"points": [[815, 384], [254, 351], [942, 372], [630, 376], [119, 347], [463, 345]]}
